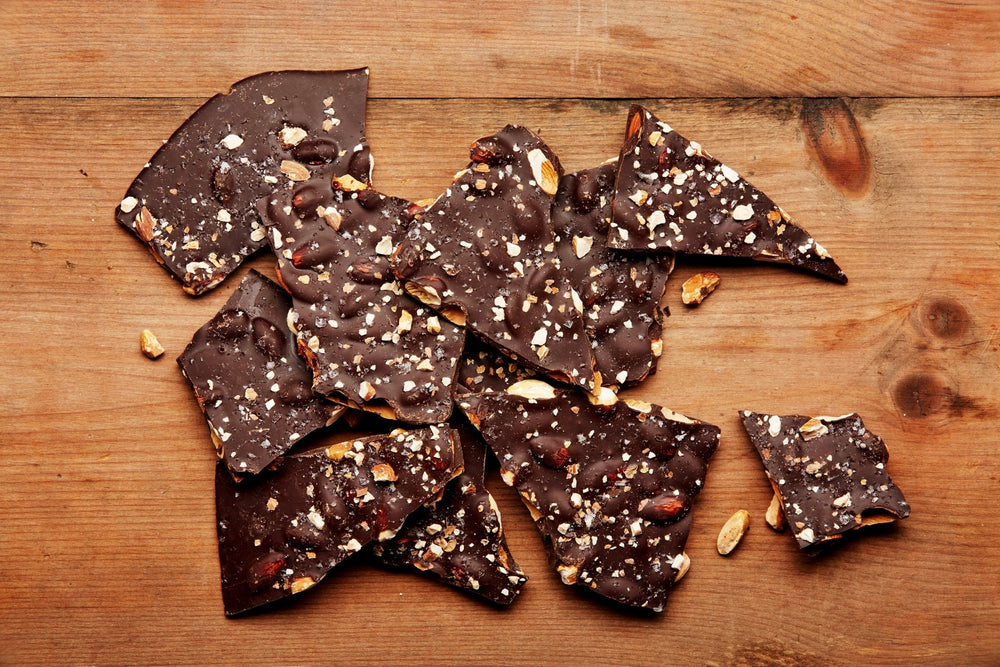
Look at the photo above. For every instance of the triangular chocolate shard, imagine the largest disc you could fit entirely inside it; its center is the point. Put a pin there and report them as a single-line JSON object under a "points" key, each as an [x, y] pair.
{"points": [[483, 255], [369, 344], [670, 193], [255, 390], [282, 531], [828, 472], [459, 538], [609, 484], [193, 203]]}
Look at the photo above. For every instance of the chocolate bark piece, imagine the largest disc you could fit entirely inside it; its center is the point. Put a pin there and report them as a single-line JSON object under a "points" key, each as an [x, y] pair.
{"points": [[369, 344], [621, 291], [828, 472], [483, 255], [255, 391], [670, 193], [282, 531], [610, 484], [483, 368], [459, 539], [193, 203]]}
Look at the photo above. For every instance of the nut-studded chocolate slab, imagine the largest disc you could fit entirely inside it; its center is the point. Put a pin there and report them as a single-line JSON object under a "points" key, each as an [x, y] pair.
{"points": [[483, 368], [670, 193], [610, 484], [368, 343], [483, 255], [194, 202], [255, 390], [283, 530], [828, 472], [621, 291], [459, 539]]}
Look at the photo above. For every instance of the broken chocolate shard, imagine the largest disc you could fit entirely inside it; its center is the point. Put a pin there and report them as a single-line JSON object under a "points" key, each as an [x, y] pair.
{"points": [[483, 255], [459, 538], [193, 204], [609, 484], [282, 531], [369, 345], [251, 384], [620, 291], [670, 193], [828, 472]]}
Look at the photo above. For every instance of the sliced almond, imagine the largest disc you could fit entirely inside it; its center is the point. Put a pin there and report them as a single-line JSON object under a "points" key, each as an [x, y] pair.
{"points": [[813, 428], [543, 171], [348, 183], [775, 515], [294, 171], [532, 389], [732, 532]]}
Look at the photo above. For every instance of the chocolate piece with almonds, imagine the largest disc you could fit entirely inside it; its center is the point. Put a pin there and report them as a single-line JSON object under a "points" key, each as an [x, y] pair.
{"points": [[193, 203], [459, 538], [828, 472], [483, 368], [483, 255], [369, 344], [621, 291], [609, 483], [282, 531], [671, 194], [254, 389]]}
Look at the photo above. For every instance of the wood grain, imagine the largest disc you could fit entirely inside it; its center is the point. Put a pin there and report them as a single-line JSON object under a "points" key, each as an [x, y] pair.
{"points": [[107, 546], [628, 48]]}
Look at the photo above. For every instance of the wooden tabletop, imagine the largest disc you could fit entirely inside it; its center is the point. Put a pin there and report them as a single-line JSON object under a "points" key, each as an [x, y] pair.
{"points": [[876, 128]]}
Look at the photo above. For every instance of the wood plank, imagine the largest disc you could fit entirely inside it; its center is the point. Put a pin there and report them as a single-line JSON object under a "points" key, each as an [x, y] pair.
{"points": [[107, 548], [509, 49]]}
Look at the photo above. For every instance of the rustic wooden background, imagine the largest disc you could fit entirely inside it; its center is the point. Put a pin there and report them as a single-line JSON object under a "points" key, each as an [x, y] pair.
{"points": [[876, 127]]}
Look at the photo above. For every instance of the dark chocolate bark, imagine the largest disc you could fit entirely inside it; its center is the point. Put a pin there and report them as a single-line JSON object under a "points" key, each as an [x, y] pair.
{"points": [[610, 486], [483, 368], [193, 203], [483, 254], [282, 531], [621, 291], [459, 539], [670, 193], [828, 472], [368, 343], [255, 391]]}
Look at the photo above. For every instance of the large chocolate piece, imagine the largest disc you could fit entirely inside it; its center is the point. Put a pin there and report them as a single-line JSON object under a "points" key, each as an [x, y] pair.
{"points": [[483, 368], [670, 193], [610, 485], [483, 254], [621, 291], [194, 202], [255, 391], [459, 539], [280, 532], [368, 343], [828, 472]]}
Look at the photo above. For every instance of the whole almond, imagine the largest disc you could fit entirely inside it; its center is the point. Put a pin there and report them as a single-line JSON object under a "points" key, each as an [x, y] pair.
{"points": [[732, 532]]}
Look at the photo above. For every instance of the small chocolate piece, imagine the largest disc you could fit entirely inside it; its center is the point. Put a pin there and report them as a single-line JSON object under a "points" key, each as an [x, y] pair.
{"points": [[280, 532], [482, 368], [459, 538], [193, 203], [610, 486], [621, 291], [483, 255], [670, 193], [254, 389], [828, 472], [369, 344]]}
